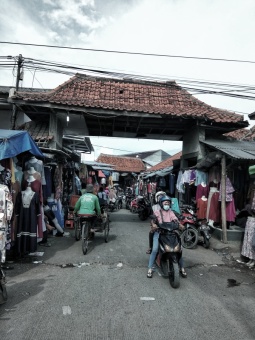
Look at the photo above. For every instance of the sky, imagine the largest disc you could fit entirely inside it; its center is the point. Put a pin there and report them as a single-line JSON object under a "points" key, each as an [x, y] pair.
{"points": [[184, 31]]}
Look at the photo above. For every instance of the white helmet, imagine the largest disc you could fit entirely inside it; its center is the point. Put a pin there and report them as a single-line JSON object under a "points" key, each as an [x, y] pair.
{"points": [[158, 195]]}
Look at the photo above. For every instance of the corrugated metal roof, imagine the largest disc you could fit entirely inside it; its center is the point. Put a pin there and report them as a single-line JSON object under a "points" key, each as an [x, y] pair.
{"points": [[160, 173], [236, 149]]}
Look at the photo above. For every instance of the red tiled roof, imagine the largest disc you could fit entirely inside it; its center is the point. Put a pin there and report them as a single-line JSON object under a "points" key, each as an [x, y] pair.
{"points": [[242, 134], [130, 95], [124, 164], [166, 163], [39, 131]]}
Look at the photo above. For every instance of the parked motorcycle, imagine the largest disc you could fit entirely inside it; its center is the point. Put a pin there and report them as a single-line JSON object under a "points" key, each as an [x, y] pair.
{"points": [[3, 291], [204, 233], [134, 206], [129, 197], [190, 239], [170, 251], [143, 207]]}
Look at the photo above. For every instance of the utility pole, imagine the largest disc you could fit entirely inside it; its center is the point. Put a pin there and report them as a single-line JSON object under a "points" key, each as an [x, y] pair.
{"points": [[18, 78]]}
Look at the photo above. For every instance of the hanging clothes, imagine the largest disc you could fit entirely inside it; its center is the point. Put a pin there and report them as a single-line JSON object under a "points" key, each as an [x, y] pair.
{"points": [[202, 208], [213, 206], [202, 190], [249, 232], [201, 176], [179, 183], [6, 210], [27, 210], [230, 204]]}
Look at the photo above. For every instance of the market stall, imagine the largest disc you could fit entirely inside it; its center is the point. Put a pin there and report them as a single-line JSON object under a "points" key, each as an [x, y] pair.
{"points": [[16, 149]]}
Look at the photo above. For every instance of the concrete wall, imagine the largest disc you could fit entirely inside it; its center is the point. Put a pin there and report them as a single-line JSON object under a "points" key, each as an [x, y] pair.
{"points": [[55, 129], [191, 146]]}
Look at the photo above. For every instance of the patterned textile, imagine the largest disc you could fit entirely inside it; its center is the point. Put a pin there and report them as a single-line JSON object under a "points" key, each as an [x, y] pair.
{"points": [[6, 210], [229, 191], [248, 235]]}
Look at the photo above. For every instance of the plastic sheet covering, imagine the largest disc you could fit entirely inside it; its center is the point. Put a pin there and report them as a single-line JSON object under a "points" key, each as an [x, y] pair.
{"points": [[13, 142]]}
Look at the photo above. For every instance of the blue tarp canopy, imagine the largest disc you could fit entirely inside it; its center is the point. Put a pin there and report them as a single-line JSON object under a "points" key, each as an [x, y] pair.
{"points": [[13, 142]]}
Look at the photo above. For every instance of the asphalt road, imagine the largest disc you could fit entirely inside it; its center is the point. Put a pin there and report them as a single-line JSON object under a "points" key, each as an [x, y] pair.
{"points": [[106, 294]]}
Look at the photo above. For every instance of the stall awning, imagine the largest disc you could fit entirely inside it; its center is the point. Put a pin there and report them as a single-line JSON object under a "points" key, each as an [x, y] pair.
{"points": [[242, 150], [160, 173], [14, 142], [100, 174]]}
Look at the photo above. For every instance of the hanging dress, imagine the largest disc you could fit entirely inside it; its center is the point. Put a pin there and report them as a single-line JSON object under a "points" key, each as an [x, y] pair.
{"points": [[27, 209], [247, 249]]}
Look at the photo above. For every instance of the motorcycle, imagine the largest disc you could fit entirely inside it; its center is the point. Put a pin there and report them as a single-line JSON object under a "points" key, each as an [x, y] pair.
{"points": [[143, 208], [113, 204], [202, 236], [134, 206], [170, 251], [204, 233], [129, 197]]}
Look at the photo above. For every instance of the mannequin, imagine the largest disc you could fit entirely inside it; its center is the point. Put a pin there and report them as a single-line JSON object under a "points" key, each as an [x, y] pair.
{"points": [[247, 249], [38, 166], [30, 179], [36, 186], [27, 209], [32, 172]]}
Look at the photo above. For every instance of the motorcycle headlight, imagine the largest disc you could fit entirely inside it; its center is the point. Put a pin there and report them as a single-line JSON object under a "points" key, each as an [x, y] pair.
{"points": [[177, 248], [168, 248]]}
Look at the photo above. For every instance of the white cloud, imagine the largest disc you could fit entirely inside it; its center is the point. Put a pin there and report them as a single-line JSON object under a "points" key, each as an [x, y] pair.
{"points": [[212, 28]]}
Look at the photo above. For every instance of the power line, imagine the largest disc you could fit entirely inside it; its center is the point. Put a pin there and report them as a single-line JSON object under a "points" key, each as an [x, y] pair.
{"points": [[128, 52], [196, 87]]}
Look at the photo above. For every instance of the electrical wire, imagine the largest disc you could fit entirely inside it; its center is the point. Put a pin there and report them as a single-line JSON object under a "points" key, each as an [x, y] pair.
{"points": [[127, 52], [198, 87]]}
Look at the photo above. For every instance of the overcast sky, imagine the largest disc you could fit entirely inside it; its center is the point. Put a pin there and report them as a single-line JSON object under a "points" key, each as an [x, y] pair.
{"points": [[191, 28]]}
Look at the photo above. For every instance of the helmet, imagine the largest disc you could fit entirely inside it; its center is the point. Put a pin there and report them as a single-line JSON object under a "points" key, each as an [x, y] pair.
{"points": [[164, 199], [158, 195]]}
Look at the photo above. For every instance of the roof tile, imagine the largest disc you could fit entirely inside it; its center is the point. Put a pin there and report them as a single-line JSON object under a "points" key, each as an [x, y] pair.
{"points": [[125, 164], [130, 95]]}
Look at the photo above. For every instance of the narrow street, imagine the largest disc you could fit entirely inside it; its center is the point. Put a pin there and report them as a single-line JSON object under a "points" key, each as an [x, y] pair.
{"points": [[106, 294]]}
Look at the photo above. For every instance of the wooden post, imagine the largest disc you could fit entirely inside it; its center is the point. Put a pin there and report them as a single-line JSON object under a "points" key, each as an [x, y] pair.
{"points": [[223, 199]]}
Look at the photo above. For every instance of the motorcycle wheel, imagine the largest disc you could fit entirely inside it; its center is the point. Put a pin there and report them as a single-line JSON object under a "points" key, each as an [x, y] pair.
{"points": [[174, 274], [189, 238], [3, 293], [206, 243]]}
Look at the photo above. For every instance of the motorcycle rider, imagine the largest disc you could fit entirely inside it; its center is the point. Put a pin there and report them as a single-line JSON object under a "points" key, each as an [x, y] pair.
{"points": [[168, 216], [155, 207]]}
